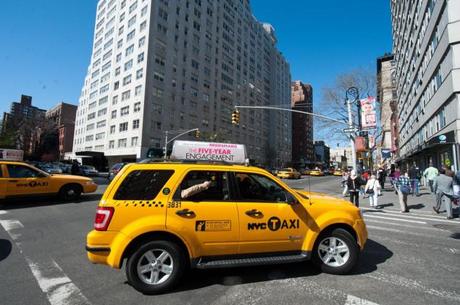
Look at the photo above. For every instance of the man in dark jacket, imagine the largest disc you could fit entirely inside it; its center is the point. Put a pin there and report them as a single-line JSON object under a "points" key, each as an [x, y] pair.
{"points": [[354, 184], [414, 176], [75, 169], [443, 187]]}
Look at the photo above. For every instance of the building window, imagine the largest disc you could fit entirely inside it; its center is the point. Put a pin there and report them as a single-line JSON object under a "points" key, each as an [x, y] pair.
{"points": [[125, 95], [137, 107], [127, 80], [135, 124], [129, 50], [128, 64], [122, 142], [124, 111], [112, 144], [114, 114], [140, 57], [134, 141], [142, 42], [139, 73], [123, 127], [112, 129], [138, 90]]}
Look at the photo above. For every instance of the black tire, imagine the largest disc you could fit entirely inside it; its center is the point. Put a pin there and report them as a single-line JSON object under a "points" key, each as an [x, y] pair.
{"points": [[346, 238], [176, 259], [70, 192]]}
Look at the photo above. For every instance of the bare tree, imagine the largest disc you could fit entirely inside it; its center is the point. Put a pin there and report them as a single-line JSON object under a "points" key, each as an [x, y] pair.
{"points": [[333, 102]]}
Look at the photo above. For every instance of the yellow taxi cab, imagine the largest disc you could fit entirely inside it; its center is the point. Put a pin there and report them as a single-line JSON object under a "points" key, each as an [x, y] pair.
{"points": [[338, 172], [306, 171], [316, 172], [18, 179], [160, 218], [288, 173]]}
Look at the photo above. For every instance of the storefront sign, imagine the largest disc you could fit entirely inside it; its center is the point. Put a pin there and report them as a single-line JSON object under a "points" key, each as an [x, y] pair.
{"points": [[446, 138], [11, 154], [206, 151]]}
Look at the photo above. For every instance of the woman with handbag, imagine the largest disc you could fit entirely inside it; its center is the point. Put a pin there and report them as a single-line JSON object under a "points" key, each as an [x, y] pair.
{"points": [[372, 190]]}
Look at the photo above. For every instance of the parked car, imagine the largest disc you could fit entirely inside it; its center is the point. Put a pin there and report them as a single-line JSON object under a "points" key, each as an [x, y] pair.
{"points": [[50, 168], [338, 172], [116, 168], [89, 170], [316, 172]]}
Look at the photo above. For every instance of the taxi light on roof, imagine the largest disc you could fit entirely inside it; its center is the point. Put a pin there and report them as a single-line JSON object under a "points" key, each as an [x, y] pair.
{"points": [[209, 151]]}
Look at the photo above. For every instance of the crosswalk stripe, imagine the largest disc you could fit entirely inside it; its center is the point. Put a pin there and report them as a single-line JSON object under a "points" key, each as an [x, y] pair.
{"points": [[401, 281], [406, 232], [2, 212], [426, 218], [352, 300], [398, 212], [429, 228], [393, 218], [409, 244]]}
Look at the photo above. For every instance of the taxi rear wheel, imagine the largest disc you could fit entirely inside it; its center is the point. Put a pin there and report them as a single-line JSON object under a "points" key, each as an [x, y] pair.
{"points": [[155, 267], [70, 192], [336, 252]]}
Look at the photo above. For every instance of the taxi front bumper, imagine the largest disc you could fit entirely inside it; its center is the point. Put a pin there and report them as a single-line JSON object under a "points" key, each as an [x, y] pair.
{"points": [[361, 232], [89, 187]]}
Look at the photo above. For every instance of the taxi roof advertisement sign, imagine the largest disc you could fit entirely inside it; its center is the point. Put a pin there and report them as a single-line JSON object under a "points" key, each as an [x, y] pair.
{"points": [[11, 154], [208, 151]]}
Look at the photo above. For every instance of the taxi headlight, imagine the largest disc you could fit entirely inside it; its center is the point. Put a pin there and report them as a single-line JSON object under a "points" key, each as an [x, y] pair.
{"points": [[90, 182]]}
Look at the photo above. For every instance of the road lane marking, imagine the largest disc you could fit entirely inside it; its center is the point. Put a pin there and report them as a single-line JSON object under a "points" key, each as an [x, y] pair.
{"points": [[352, 300], [405, 226], [398, 212], [3, 212], [58, 287], [405, 232], [426, 218], [401, 281], [52, 280], [415, 245], [393, 218]]}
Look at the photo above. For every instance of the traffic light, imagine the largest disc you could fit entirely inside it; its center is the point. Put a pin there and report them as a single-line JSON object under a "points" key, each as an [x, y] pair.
{"points": [[197, 133], [235, 117]]}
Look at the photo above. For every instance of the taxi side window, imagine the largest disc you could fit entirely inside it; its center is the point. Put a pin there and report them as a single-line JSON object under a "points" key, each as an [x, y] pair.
{"points": [[203, 186], [20, 171], [142, 184], [258, 188]]}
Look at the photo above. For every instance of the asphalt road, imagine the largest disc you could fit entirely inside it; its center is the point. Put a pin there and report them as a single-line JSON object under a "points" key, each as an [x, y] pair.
{"points": [[409, 259]]}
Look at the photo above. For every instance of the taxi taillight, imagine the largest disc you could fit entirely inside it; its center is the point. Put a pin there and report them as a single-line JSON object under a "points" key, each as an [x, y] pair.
{"points": [[103, 217]]}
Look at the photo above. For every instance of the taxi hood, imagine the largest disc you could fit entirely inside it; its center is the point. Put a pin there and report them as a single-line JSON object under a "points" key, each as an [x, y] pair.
{"points": [[70, 177], [322, 198]]}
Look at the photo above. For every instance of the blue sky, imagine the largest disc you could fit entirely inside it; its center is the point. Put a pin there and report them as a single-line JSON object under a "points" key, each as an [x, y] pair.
{"points": [[47, 43]]}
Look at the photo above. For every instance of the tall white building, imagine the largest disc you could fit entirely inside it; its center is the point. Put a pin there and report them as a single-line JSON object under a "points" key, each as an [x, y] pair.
{"points": [[426, 45], [169, 65]]}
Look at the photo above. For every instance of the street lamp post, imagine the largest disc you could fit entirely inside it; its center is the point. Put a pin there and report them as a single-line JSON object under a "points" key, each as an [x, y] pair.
{"points": [[179, 135], [354, 92]]}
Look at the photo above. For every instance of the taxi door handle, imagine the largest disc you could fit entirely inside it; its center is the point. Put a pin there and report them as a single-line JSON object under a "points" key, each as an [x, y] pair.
{"points": [[185, 212], [254, 213], [13, 180]]}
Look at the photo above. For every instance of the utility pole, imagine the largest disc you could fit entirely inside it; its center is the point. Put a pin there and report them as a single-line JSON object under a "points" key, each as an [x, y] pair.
{"points": [[353, 91]]}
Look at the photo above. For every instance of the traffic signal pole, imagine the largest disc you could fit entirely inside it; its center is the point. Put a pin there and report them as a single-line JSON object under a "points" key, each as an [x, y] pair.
{"points": [[179, 135]]}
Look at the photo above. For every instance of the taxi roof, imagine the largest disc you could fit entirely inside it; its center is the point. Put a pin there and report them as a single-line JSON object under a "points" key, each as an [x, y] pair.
{"points": [[196, 164], [14, 162]]}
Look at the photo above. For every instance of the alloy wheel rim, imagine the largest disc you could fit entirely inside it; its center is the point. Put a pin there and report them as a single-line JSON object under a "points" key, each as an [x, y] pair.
{"points": [[333, 252], [155, 266]]}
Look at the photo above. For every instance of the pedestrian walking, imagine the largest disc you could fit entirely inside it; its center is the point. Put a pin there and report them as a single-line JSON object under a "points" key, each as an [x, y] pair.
{"points": [[382, 176], [75, 169], [354, 184], [372, 189], [414, 175], [443, 187], [430, 174], [344, 183], [403, 188]]}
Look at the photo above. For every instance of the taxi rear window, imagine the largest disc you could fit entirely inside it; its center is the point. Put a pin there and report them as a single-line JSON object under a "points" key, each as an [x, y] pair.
{"points": [[142, 184]]}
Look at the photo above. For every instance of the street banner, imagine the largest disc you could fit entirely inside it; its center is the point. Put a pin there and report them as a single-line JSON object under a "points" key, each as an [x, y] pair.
{"points": [[11, 154], [371, 142], [368, 113], [360, 144], [208, 151]]}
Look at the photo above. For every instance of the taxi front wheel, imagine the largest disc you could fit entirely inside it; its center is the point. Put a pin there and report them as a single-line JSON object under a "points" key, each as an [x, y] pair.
{"points": [[155, 267], [336, 252]]}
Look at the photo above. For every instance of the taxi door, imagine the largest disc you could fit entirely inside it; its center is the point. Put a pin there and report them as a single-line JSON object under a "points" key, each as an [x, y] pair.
{"points": [[203, 212], [3, 181], [268, 223], [24, 180]]}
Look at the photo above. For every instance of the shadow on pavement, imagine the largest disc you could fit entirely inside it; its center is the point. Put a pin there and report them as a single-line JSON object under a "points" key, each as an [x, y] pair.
{"points": [[23, 203], [5, 248], [373, 255], [196, 279], [417, 206]]}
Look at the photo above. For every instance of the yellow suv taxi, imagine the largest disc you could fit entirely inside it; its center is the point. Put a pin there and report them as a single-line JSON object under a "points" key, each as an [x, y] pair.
{"points": [[19, 179], [161, 218]]}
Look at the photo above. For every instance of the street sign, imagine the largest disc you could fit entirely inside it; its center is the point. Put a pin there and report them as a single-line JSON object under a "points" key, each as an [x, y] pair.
{"points": [[350, 130]]}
